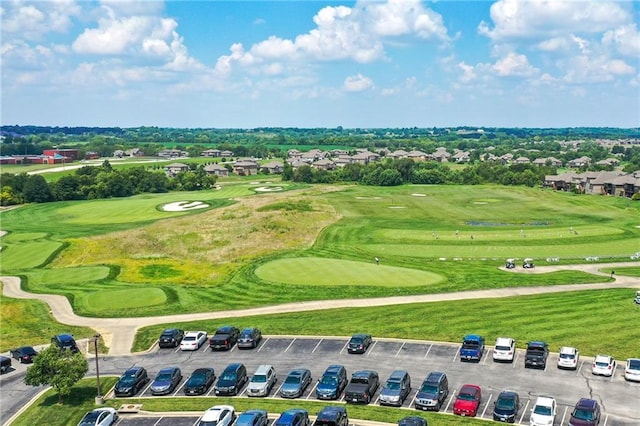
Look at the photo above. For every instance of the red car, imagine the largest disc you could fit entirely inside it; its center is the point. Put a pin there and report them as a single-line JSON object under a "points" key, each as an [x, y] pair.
{"points": [[468, 401]]}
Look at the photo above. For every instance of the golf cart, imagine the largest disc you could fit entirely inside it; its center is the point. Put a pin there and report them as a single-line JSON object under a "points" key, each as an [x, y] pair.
{"points": [[528, 263], [637, 299], [510, 264]]}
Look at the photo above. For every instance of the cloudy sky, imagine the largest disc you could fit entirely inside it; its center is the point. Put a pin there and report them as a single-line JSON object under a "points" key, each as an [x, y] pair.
{"points": [[395, 63]]}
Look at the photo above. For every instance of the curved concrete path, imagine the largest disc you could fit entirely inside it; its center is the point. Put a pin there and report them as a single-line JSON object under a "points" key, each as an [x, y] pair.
{"points": [[119, 333]]}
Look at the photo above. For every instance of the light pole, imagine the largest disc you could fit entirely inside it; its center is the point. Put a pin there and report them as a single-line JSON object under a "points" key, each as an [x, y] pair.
{"points": [[99, 398]]}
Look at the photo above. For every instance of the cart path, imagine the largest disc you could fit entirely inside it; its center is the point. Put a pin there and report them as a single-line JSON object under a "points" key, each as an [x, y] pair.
{"points": [[119, 333]]}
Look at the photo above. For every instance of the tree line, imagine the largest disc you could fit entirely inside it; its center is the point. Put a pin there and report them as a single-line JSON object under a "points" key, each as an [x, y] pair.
{"points": [[94, 182], [392, 172]]}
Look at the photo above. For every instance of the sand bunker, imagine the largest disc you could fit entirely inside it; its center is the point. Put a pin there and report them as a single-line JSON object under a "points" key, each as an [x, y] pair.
{"points": [[397, 207], [268, 189], [419, 195], [368, 198], [181, 206]]}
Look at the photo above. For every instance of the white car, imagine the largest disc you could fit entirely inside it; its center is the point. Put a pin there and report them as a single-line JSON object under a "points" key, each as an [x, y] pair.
{"points": [[504, 349], [192, 340], [219, 415], [99, 417], [603, 365], [632, 370], [568, 358], [543, 412]]}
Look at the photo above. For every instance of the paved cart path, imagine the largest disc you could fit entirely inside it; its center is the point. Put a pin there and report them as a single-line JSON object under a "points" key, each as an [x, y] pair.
{"points": [[119, 333]]}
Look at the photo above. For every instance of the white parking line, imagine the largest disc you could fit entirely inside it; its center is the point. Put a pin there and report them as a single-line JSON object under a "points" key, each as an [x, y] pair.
{"points": [[159, 420], [484, 358], [177, 349], [613, 373], [453, 396], [399, 350], [579, 368], [564, 415], [290, 344], [197, 421], [212, 388], [317, 345], [184, 382], [487, 406], [343, 348], [413, 399], [206, 347], [456, 355], [524, 410], [147, 387], [606, 417], [428, 350], [263, 345], [277, 392], [313, 389], [515, 361], [373, 345]]}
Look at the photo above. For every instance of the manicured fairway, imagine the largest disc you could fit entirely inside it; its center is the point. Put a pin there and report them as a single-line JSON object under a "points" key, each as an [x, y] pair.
{"points": [[29, 254], [319, 271], [109, 301], [69, 275]]}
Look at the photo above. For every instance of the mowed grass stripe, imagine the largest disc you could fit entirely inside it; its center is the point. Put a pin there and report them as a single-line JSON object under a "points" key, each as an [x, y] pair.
{"points": [[27, 255], [322, 271]]}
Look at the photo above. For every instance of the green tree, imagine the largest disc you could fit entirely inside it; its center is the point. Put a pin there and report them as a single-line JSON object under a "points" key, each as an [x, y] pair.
{"points": [[59, 368], [36, 190]]}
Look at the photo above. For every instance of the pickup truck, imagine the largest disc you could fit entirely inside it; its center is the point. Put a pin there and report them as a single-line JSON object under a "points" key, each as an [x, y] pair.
{"points": [[536, 355], [362, 386], [472, 348], [224, 338]]}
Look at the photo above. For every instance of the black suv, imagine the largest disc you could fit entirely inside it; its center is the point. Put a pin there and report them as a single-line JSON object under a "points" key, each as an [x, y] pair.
{"points": [[506, 407], [170, 338], [359, 343], [131, 381], [232, 379], [536, 355], [332, 416], [65, 341], [225, 337]]}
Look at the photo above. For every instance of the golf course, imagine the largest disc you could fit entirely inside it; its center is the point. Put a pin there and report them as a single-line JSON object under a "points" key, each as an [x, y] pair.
{"points": [[243, 248]]}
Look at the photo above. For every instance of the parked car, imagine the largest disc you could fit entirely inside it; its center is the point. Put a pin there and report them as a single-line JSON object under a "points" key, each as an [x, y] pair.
{"points": [[232, 379], [412, 421], [200, 381], [536, 355], [585, 413], [396, 388], [24, 354], [433, 392], [568, 358], [504, 349], [249, 338], [193, 340], [293, 417], [166, 381], [332, 382], [467, 401], [543, 412], [296, 382], [472, 348], [219, 415], [65, 341], [632, 370], [603, 365], [506, 407], [170, 338], [131, 381], [332, 415], [359, 343], [262, 381], [253, 418], [105, 416], [362, 386], [224, 338], [5, 364]]}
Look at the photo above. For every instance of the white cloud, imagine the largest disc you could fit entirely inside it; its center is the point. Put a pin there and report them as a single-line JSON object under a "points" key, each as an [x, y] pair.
{"points": [[32, 20], [548, 18], [514, 65], [626, 39], [357, 83], [468, 72]]}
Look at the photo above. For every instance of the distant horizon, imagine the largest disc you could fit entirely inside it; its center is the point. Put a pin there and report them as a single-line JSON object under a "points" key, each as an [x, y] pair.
{"points": [[364, 64]]}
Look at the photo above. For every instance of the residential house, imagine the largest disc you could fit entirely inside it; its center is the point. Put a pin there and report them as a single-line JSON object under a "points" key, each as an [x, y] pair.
{"points": [[210, 153], [324, 164], [134, 152], [245, 167], [522, 160], [273, 167], [441, 155], [172, 153], [174, 168], [577, 163], [418, 155], [226, 154], [216, 169]]}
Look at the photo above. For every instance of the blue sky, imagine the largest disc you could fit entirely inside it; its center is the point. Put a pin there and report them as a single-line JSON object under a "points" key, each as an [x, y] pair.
{"points": [[245, 64]]}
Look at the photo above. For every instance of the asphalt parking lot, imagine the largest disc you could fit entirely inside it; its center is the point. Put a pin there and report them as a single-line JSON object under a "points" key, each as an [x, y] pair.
{"points": [[619, 399]]}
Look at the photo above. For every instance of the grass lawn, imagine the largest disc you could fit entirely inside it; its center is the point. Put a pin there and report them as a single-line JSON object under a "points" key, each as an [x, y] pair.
{"points": [[559, 319], [29, 322]]}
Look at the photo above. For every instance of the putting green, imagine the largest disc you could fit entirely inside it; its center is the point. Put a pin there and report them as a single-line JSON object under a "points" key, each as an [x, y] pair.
{"points": [[321, 271], [105, 301]]}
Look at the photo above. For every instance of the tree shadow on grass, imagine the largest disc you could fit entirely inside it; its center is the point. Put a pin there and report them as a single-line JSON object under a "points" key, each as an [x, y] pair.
{"points": [[79, 396]]}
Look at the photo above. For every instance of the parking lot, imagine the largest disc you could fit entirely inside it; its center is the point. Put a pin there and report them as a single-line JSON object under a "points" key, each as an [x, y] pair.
{"points": [[619, 399]]}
